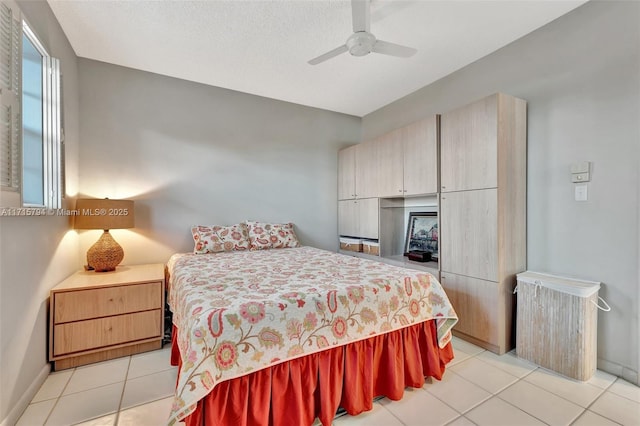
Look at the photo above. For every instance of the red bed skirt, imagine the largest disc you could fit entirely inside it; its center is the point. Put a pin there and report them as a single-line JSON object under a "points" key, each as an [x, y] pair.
{"points": [[298, 391]]}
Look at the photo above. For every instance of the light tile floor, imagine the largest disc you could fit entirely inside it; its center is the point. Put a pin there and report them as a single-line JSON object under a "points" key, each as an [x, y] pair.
{"points": [[479, 388]]}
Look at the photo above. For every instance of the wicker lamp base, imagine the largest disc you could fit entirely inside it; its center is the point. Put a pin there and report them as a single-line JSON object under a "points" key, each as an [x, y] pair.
{"points": [[105, 254]]}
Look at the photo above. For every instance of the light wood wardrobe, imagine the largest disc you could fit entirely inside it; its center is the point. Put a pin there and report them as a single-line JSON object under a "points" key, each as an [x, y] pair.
{"points": [[483, 215]]}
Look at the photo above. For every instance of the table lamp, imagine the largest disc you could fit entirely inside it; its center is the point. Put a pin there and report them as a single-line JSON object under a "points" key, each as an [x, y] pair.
{"points": [[104, 214]]}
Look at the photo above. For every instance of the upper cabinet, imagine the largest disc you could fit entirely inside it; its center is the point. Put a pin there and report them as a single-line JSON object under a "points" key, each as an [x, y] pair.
{"points": [[469, 146], [347, 173], [420, 157], [389, 164], [366, 170], [400, 163], [408, 160]]}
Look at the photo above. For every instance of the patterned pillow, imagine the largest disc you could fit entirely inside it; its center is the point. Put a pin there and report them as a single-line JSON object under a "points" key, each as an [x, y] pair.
{"points": [[215, 239], [271, 235]]}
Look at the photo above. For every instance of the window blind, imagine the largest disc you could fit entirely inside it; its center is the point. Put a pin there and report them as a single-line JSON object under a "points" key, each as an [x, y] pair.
{"points": [[12, 30], [10, 106]]}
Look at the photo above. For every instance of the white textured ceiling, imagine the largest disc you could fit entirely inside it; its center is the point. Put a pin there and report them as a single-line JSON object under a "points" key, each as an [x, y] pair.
{"points": [[262, 47]]}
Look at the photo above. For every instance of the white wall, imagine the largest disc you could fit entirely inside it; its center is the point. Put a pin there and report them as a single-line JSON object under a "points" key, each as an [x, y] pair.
{"points": [[189, 153], [580, 76], [194, 154], [36, 253]]}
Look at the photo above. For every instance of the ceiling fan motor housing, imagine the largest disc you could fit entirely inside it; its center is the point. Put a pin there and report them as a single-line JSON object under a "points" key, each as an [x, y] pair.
{"points": [[360, 43]]}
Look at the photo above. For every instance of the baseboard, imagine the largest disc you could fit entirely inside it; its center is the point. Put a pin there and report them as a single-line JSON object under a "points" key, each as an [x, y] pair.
{"points": [[625, 373], [22, 404]]}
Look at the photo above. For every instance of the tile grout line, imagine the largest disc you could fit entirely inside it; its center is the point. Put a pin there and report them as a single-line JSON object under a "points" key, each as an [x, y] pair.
{"points": [[605, 390], [124, 387], [127, 379], [518, 379], [584, 410], [59, 395], [458, 418], [541, 388], [491, 394], [617, 394], [515, 406], [473, 406], [602, 391], [462, 414], [593, 412], [520, 409], [392, 414], [522, 378]]}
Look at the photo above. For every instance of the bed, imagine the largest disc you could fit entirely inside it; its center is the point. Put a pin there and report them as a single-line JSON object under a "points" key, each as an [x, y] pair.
{"points": [[285, 336]]}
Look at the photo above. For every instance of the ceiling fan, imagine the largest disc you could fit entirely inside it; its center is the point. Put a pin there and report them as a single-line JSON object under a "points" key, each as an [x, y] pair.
{"points": [[362, 42]]}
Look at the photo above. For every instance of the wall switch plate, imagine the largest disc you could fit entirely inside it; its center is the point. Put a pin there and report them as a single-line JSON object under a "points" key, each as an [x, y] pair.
{"points": [[582, 167], [580, 177], [580, 172], [581, 193]]}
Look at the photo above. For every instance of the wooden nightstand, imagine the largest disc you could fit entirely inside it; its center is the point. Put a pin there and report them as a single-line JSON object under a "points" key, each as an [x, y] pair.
{"points": [[95, 316]]}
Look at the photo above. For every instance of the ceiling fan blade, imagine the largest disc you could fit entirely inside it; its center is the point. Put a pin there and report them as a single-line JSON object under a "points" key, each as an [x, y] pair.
{"points": [[393, 49], [360, 11], [330, 54]]}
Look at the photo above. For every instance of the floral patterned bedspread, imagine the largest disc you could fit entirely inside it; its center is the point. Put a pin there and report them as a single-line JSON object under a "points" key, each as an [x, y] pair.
{"points": [[238, 312]]}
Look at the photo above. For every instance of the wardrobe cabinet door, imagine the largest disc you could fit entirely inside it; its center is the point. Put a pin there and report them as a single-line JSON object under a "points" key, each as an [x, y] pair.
{"points": [[358, 218], [469, 233], [347, 173], [476, 303], [348, 218], [420, 156], [366, 170], [368, 213], [468, 145], [389, 164]]}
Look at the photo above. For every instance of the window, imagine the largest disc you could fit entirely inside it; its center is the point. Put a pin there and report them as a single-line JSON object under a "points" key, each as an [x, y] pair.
{"points": [[30, 125]]}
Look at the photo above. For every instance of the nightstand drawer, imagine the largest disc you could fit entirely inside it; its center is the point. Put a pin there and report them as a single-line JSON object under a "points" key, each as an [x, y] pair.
{"points": [[97, 333], [84, 304]]}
